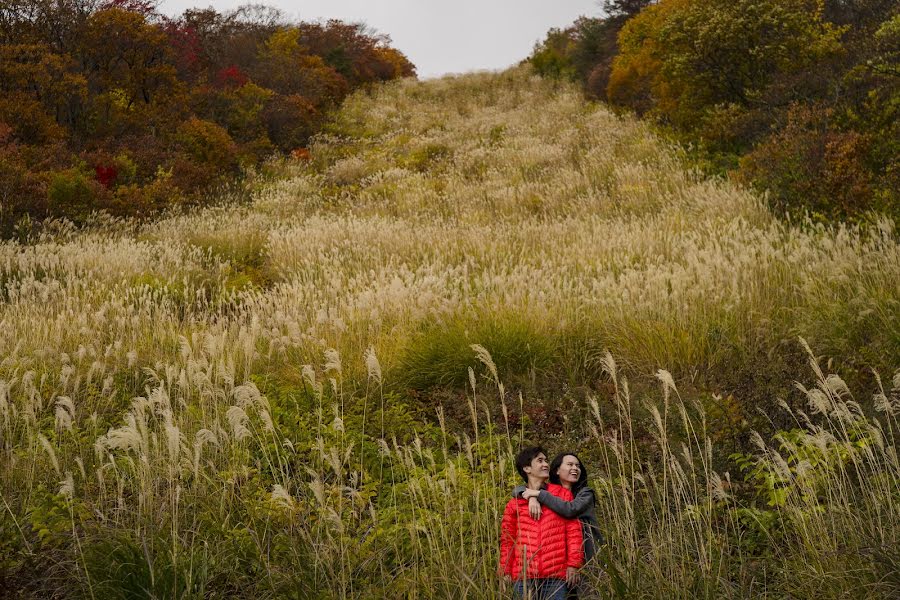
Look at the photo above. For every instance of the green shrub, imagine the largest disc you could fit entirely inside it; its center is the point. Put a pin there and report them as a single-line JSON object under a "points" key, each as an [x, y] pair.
{"points": [[126, 167], [422, 158], [133, 569], [812, 166], [23, 192], [290, 121], [551, 57], [208, 144], [256, 151], [441, 354], [73, 193], [145, 200]]}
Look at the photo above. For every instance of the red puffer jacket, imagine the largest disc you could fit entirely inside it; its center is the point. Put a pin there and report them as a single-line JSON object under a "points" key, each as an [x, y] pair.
{"points": [[547, 546]]}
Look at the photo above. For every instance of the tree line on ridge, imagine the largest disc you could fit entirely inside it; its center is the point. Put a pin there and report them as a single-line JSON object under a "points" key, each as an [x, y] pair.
{"points": [[110, 105], [796, 97]]}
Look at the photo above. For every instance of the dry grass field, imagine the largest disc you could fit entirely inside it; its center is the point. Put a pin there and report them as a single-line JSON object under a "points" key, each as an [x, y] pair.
{"points": [[317, 394]]}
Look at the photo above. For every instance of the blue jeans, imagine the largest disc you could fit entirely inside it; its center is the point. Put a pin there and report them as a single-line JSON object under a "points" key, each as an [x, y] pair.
{"points": [[540, 589]]}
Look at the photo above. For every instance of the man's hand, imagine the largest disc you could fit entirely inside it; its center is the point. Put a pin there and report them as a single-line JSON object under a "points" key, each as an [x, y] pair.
{"points": [[505, 579], [528, 494], [572, 576], [534, 508]]}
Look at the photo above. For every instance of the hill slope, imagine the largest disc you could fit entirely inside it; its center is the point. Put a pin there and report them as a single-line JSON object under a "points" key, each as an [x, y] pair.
{"points": [[244, 400]]}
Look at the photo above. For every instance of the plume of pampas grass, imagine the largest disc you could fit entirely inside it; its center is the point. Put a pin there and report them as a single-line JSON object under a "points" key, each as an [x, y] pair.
{"points": [[332, 361], [51, 453], [484, 357], [238, 420], [373, 367], [67, 486], [281, 496], [65, 413]]}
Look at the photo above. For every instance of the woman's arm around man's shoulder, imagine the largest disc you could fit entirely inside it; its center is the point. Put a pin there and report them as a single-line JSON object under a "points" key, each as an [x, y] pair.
{"points": [[578, 506]]}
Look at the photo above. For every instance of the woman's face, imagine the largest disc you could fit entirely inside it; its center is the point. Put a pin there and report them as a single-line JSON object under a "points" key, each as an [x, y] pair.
{"points": [[570, 469]]}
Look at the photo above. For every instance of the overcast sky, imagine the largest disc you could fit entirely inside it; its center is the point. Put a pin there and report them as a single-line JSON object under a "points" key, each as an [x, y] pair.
{"points": [[451, 36]]}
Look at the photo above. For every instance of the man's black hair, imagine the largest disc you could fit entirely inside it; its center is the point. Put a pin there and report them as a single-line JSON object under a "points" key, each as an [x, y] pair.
{"points": [[524, 458]]}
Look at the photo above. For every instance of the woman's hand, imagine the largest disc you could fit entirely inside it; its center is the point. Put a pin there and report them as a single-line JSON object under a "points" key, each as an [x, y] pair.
{"points": [[534, 508], [528, 494], [572, 576]]}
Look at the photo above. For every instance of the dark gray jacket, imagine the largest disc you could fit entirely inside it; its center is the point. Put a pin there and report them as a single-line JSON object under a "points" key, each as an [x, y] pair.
{"points": [[581, 507]]}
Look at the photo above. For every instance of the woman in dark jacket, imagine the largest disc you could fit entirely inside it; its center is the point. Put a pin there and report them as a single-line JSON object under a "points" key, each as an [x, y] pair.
{"points": [[568, 471]]}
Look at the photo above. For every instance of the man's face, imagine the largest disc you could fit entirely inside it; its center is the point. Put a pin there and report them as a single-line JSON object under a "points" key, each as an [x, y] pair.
{"points": [[539, 467]]}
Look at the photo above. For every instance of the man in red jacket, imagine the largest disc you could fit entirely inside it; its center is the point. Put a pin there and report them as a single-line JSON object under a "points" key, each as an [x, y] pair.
{"points": [[543, 556]]}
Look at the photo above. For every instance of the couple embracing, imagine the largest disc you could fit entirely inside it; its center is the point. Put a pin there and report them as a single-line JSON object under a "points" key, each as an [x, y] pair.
{"points": [[549, 528]]}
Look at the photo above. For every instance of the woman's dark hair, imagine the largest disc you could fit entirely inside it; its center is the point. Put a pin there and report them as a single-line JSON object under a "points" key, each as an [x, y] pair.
{"points": [[556, 463]]}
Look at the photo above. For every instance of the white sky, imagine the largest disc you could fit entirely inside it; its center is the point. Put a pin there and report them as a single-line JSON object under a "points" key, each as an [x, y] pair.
{"points": [[449, 36]]}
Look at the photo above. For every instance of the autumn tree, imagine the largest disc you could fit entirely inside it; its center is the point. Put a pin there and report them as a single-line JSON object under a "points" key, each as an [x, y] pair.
{"points": [[209, 41], [128, 58], [585, 50], [351, 49], [682, 57], [552, 57], [624, 9], [393, 64], [41, 92], [288, 67], [57, 23]]}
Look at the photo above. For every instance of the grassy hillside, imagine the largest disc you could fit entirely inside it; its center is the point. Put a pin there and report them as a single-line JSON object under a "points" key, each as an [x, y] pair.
{"points": [[318, 394]]}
